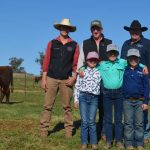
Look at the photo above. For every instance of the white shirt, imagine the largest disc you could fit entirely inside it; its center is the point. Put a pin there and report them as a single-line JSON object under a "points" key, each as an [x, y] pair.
{"points": [[89, 83]]}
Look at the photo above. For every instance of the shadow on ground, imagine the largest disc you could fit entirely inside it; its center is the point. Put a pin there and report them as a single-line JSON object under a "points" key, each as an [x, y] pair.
{"points": [[60, 126]]}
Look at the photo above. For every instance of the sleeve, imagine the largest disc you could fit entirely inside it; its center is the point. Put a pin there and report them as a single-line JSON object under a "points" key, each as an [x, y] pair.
{"points": [[146, 88], [75, 59], [47, 57], [123, 51], [76, 90], [148, 57], [81, 59]]}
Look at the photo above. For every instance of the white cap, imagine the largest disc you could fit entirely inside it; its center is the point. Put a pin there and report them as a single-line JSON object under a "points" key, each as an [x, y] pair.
{"points": [[133, 52]]}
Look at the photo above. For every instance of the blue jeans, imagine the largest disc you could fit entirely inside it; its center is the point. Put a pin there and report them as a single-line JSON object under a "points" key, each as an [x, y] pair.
{"points": [[88, 104], [101, 122], [146, 125], [133, 123], [113, 98]]}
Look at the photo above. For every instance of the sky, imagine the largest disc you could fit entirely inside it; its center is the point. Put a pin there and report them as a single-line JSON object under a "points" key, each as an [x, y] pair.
{"points": [[26, 26]]}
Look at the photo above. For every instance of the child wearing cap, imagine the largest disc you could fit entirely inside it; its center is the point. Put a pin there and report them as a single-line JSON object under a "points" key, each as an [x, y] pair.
{"points": [[86, 93], [112, 75], [136, 93]]}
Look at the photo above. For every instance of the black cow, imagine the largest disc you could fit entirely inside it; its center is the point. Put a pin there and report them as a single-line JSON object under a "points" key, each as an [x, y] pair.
{"points": [[36, 79], [6, 79]]}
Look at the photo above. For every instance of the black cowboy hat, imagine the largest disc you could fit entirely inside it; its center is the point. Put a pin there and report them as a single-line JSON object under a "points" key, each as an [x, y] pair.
{"points": [[135, 25]]}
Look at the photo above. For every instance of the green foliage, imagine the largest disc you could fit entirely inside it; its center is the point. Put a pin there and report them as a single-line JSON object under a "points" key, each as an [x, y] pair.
{"points": [[16, 64], [40, 59]]}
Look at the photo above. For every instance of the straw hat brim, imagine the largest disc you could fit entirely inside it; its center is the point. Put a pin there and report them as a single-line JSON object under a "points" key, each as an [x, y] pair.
{"points": [[58, 26], [129, 28]]}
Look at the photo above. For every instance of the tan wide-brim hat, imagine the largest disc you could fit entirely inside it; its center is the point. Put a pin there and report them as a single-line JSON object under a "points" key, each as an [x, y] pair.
{"points": [[65, 22]]}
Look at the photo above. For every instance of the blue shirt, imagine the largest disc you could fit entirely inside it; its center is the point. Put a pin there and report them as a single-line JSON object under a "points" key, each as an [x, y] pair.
{"points": [[136, 84], [143, 45]]}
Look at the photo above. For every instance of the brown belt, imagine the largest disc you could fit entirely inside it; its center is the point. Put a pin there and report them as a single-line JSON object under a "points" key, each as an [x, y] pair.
{"points": [[135, 98]]}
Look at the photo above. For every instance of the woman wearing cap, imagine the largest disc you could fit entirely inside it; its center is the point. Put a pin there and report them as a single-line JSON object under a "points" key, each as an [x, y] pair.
{"points": [[59, 73], [86, 94]]}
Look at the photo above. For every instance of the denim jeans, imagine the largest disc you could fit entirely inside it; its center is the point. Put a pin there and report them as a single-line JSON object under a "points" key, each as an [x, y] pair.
{"points": [[146, 125], [133, 123], [101, 122], [88, 104], [113, 98]]}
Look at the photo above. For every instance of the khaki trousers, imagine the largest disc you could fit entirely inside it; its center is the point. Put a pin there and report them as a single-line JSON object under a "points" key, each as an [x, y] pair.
{"points": [[66, 92]]}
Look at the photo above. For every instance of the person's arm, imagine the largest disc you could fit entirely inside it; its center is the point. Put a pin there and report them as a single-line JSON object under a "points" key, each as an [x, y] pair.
{"points": [[148, 57], [76, 92], [71, 80], [145, 69], [146, 92], [45, 67], [123, 51], [44, 85], [81, 59]]}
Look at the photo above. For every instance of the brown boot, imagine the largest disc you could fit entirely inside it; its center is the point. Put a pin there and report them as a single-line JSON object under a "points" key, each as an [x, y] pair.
{"points": [[94, 147], [43, 134], [68, 135]]}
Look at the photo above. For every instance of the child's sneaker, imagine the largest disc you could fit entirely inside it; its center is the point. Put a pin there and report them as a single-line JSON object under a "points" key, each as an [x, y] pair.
{"points": [[103, 138], [84, 147], [94, 147], [107, 146], [120, 145], [140, 148], [146, 141], [130, 148]]}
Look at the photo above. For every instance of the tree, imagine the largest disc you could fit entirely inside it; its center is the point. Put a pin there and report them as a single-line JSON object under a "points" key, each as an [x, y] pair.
{"points": [[16, 64], [40, 59]]}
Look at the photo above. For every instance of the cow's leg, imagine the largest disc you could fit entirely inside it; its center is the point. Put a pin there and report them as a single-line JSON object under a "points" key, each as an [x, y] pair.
{"points": [[7, 95], [1, 94]]}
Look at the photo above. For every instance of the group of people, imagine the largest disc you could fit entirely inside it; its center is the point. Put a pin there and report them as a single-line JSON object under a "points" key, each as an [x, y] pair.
{"points": [[102, 81]]}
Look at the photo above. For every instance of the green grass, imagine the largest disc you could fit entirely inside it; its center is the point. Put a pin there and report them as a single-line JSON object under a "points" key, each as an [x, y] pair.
{"points": [[19, 122]]}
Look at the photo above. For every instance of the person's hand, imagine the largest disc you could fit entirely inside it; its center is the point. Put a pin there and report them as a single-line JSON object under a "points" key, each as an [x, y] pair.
{"points": [[76, 105], [145, 70], [71, 81], [144, 106], [44, 85], [81, 73]]}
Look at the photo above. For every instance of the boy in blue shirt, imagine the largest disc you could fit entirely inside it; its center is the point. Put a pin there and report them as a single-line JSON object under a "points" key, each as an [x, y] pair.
{"points": [[136, 94]]}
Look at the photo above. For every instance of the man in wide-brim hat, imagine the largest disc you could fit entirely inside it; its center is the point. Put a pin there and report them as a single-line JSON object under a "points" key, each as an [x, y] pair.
{"points": [[136, 26], [59, 74], [137, 41]]}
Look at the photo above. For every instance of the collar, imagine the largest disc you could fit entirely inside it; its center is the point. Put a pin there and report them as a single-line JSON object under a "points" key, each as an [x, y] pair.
{"points": [[102, 35], [116, 61], [69, 39], [136, 68], [140, 41]]}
